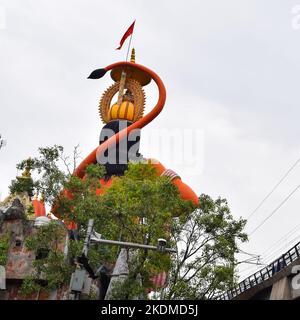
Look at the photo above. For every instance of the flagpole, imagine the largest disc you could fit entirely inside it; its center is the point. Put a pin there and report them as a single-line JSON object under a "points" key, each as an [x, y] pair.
{"points": [[123, 74], [129, 46], [123, 77]]}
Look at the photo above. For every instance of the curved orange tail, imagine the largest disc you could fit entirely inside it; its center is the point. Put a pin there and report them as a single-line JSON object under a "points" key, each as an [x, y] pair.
{"points": [[92, 157]]}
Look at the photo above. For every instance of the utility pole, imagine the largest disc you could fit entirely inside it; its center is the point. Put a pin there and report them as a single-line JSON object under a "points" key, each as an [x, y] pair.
{"points": [[78, 277], [121, 268]]}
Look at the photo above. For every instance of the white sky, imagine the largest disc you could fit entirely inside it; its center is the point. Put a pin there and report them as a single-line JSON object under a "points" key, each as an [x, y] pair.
{"points": [[231, 69]]}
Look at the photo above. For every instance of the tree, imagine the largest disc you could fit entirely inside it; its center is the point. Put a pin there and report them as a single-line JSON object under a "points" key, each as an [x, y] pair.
{"points": [[25, 182], [2, 142], [51, 170], [206, 243], [142, 207], [138, 207], [50, 268]]}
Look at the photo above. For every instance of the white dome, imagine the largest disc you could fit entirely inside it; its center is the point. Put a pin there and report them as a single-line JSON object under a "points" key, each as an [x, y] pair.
{"points": [[41, 221]]}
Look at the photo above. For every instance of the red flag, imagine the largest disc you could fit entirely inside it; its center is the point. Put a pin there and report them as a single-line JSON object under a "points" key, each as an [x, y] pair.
{"points": [[126, 35], [39, 208]]}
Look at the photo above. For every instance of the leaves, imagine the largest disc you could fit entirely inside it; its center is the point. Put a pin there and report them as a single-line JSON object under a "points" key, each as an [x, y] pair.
{"points": [[207, 242], [22, 184], [138, 207], [4, 247], [50, 268]]}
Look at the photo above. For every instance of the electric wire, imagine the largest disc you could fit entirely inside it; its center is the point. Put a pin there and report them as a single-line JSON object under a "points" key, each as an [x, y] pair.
{"points": [[275, 210], [267, 253], [273, 189]]}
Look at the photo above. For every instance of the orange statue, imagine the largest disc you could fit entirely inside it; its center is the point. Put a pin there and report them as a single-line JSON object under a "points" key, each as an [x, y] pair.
{"points": [[127, 113]]}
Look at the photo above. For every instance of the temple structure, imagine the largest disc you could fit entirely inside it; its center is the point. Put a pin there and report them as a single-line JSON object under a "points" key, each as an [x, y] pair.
{"points": [[23, 212]]}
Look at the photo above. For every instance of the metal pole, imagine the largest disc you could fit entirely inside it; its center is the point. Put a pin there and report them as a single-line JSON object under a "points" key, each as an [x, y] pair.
{"points": [[130, 245], [78, 277], [129, 47], [88, 236], [121, 88]]}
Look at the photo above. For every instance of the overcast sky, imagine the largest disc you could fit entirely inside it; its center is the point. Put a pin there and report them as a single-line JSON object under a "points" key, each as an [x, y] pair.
{"points": [[231, 69]]}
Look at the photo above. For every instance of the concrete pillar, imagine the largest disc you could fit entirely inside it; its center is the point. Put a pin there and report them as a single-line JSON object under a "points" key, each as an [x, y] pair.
{"points": [[2, 278], [281, 290], [120, 272]]}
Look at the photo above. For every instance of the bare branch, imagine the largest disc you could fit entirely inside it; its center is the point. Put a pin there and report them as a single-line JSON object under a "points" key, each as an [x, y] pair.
{"points": [[66, 160], [76, 155], [2, 142]]}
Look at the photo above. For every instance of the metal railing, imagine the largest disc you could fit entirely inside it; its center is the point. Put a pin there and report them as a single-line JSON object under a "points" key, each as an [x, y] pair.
{"points": [[264, 274]]}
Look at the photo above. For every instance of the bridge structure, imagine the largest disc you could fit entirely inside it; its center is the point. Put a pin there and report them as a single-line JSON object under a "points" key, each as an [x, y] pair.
{"points": [[279, 280]]}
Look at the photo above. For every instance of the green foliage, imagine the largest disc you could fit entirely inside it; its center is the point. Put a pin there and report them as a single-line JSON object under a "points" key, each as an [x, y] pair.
{"points": [[93, 294], [95, 254], [130, 289], [49, 178], [30, 286], [46, 237], [4, 246], [206, 244], [82, 202], [138, 207], [22, 184], [51, 269], [30, 211], [138, 204]]}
